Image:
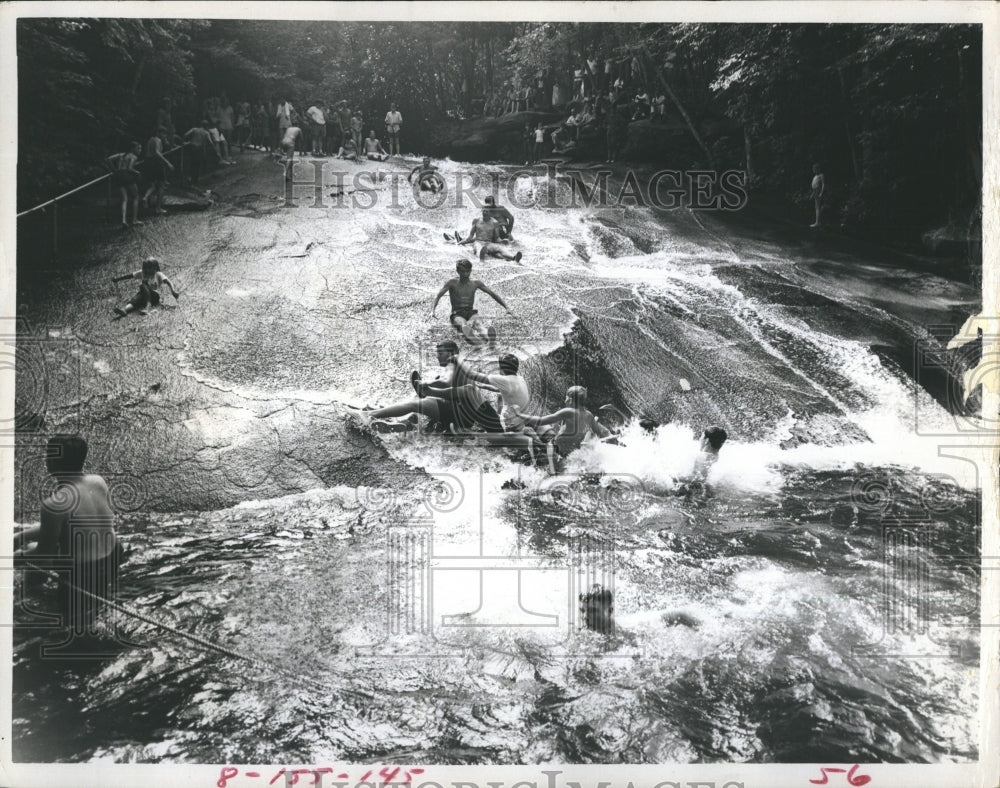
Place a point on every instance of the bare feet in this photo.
(392, 425)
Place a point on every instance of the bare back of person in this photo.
(89, 512)
(576, 425)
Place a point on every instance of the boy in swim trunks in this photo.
(374, 149)
(347, 149)
(428, 177)
(462, 293)
(393, 121)
(818, 187)
(157, 167)
(288, 142)
(125, 175)
(576, 423)
(514, 398)
(485, 238)
(152, 279)
(453, 399)
(501, 216)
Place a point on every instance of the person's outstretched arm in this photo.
(542, 421)
(599, 429)
(510, 220)
(479, 377)
(492, 295)
(441, 292)
(472, 234)
(161, 157)
(168, 283)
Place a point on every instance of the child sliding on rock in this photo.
(151, 279)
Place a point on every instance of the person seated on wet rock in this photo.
(574, 422)
(373, 148)
(428, 177)
(486, 238)
(151, 280)
(347, 149)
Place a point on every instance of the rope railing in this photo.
(204, 643)
(104, 177)
(54, 202)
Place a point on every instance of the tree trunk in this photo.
(746, 150)
(138, 74)
(680, 108)
(846, 109)
(969, 128)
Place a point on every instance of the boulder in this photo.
(951, 240)
(486, 139)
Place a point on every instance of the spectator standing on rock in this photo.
(527, 140)
(225, 115)
(344, 114)
(157, 167)
(660, 108)
(317, 128)
(393, 121)
(334, 134)
(818, 187)
(357, 130)
(243, 125)
(283, 113)
(611, 131)
(165, 120)
(125, 176)
(258, 136)
(536, 151)
(201, 143)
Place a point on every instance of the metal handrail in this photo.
(104, 177)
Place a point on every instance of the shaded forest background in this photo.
(893, 113)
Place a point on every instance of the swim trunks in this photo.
(155, 170)
(487, 418)
(125, 178)
(146, 296)
(465, 313)
(98, 577)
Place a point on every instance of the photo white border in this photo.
(984, 774)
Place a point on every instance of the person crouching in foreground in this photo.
(76, 522)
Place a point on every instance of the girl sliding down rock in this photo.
(151, 279)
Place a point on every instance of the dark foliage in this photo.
(892, 113)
